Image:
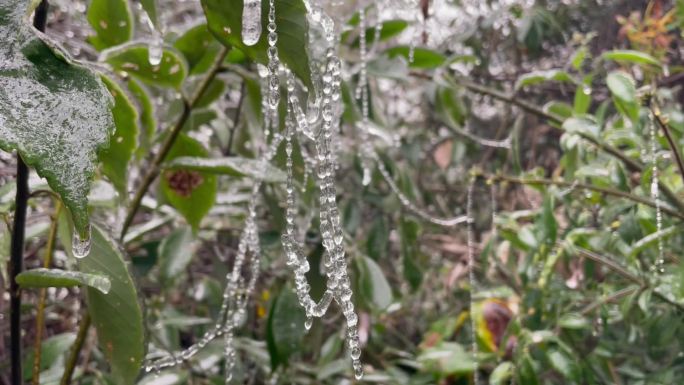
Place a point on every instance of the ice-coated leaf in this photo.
(134, 59)
(54, 113)
(224, 18)
(537, 77)
(123, 141)
(285, 328)
(42, 277)
(190, 192)
(623, 89)
(117, 316)
(112, 21)
(175, 253)
(150, 6)
(234, 166)
(502, 373)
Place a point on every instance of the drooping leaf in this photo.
(378, 239)
(148, 121)
(134, 59)
(175, 253)
(422, 57)
(117, 316)
(410, 251)
(501, 373)
(190, 192)
(112, 21)
(630, 56)
(581, 125)
(374, 286)
(42, 277)
(224, 19)
(285, 328)
(623, 89)
(54, 113)
(199, 47)
(563, 364)
(234, 166)
(123, 141)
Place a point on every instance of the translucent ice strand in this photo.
(655, 195)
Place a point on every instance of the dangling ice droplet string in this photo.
(362, 91)
(80, 244)
(470, 246)
(251, 22)
(655, 195)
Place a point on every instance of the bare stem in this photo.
(75, 350)
(662, 124)
(153, 170)
(40, 316)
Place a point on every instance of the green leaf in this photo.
(148, 121)
(134, 59)
(501, 373)
(582, 100)
(422, 57)
(224, 18)
(378, 239)
(52, 352)
(190, 192)
(447, 359)
(211, 94)
(548, 220)
(234, 166)
(285, 329)
(573, 321)
(410, 251)
(537, 77)
(117, 316)
(112, 21)
(562, 364)
(374, 286)
(42, 277)
(123, 141)
(390, 29)
(630, 56)
(54, 113)
(581, 125)
(199, 47)
(623, 89)
(175, 253)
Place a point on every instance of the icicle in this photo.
(80, 246)
(155, 50)
(655, 195)
(251, 22)
(471, 278)
(410, 206)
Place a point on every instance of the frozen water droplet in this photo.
(586, 89)
(80, 246)
(251, 22)
(308, 323)
(155, 50)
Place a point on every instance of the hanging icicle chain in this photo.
(655, 195)
(236, 293)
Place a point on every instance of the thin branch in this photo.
(16, 263)
(70, 364)
(236, 120)
(40, 316)
(662, 123)
(631, 164)
(153, 170)
(585, 186)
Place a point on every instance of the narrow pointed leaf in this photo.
(42, 277)
(233, 166)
